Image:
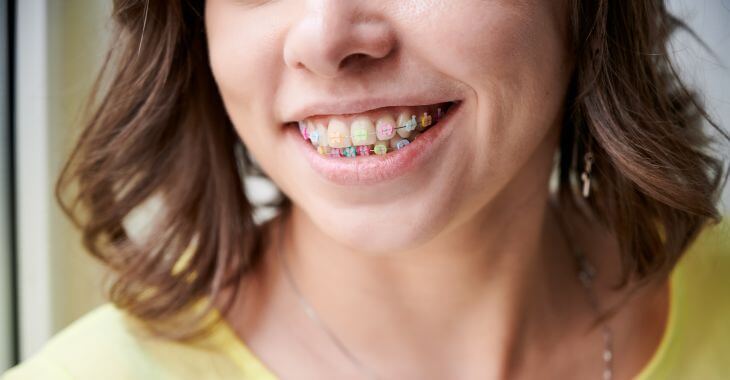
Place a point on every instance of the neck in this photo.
(494, 275)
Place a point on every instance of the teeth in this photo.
(350, 151)
(407, 123)
(338, 134)
(426, 120)
(363, 150)
(372, 133)
(321, 129)
(381, 148)
(312, 133)
(385, 128)
(303, 129)
(362, 132)
(398, 143)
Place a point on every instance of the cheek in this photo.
(243, 60)
(514, 58)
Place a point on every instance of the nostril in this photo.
(354, 60)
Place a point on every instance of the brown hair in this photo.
(157, 127)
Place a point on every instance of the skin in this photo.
(477, 284)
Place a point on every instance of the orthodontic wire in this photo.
(401, 127)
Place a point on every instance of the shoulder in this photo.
(697, 338)
(107, 343)
(102, 342)
(702, 277)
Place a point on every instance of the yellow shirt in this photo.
(107, 344)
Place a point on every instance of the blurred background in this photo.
(51, 51)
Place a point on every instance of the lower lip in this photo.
(374, 169)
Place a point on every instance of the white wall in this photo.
(32, 186)
(6, 341)
(60, 45)
(710, 19)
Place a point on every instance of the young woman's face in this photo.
(352, 72)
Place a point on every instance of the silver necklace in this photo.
(586, 276)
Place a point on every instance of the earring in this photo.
(586, 175)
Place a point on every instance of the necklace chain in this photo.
(586, 276)
(312, 314)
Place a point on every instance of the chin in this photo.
(380, 230)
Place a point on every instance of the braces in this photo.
(379, 148)
(361, 150)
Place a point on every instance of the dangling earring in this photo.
(586, 175)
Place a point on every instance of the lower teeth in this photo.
(380, 149)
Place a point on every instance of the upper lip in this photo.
(361, 105)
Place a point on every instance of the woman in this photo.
(419, 234)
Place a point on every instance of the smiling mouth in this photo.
(377, 132)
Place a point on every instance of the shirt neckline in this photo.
(236, 348)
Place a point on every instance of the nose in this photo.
(333, 36)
